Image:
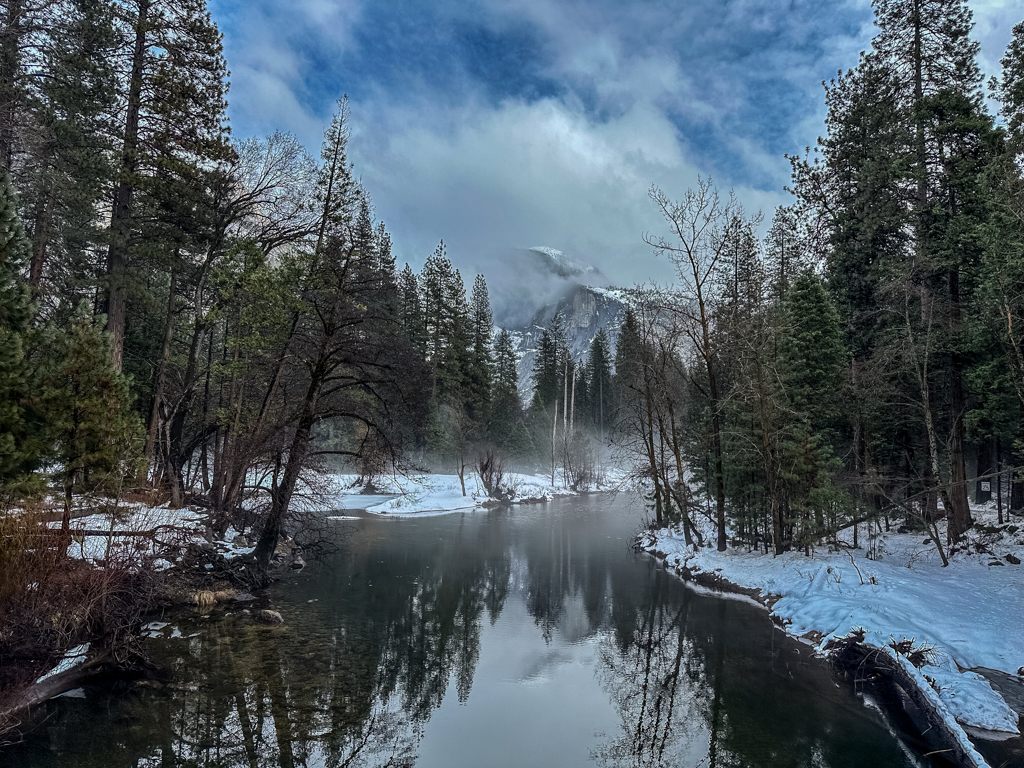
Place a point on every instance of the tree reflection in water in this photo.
(378, 638)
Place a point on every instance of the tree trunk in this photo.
(40, 234)
(716, 438)
(281, 495)
(153, 425)
(10, 64)
(121, 209)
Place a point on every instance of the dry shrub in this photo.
(579, 463)
(50, 602)
(491, 469)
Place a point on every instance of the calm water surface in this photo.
(524, 637)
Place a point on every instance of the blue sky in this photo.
(502, 124)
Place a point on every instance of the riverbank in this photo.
(507, 637)
(187, 564)
(422, 493)
(965, 617)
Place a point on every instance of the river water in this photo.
(525, 637)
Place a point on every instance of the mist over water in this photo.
(528, 280)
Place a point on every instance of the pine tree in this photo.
(506, 427)
(433, 282)
(628, 359)
(927, 46)
(95, 434)
(453, 370)
(65, 168)
(18, 448)
(548, 367)
(411, 310)
(480, 372)
(812, 356)
(1010, 90)
(601, 394)
(173, 137)
(812, 362)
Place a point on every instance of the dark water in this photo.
(529, 637)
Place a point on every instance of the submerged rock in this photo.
(267, 616)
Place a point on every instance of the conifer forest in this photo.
(308, 458)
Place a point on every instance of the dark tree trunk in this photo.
(121, 209)
(10, 64)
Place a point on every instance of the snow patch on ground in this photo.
(425, 494)
(969, 614)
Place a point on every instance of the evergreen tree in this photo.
(95, 434)
(506, 427)
(812, 356)
(628, 359)
(411, 310)
(65, 168)
(549, 367)
(600, 389)
(1010, 90)
(172, 141)
(18, 448)
(480, 372)
(811, 366)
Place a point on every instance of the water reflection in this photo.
(521, 637)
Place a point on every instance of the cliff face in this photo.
(585, 310)
(531, 286)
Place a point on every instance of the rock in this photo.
(240, 540)
(243, 597)
(267, 616)
(996, 562)
(284, 547)
(1012, 559)
(298, 563)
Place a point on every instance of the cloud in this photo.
(500, 125)
(492, 179)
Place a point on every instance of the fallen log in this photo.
(888, 669)
(18, 705)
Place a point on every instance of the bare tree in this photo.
(700, 225)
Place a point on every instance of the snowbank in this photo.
(147, 534)
(424, 494)
(169, 527)
(969, 614)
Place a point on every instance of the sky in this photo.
(499, 125)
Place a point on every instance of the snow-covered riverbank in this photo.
(423, 494)
(970, 615)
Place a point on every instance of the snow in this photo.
(431, 494)
(72, 659)
(968, 614)
(173, 529)
(937, 703)
(171, 526)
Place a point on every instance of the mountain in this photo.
(550, 283)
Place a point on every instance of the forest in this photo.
(860, 363)
(193, 321)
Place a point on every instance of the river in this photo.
(531, 636)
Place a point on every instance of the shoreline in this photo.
(899, 688)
